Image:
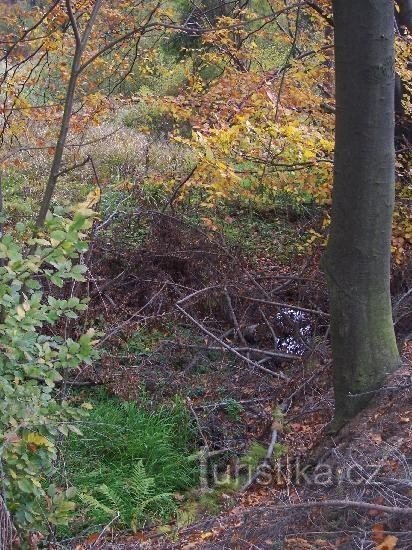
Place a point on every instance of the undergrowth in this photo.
(130, 463)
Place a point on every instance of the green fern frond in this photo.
(110, 497)
(141, 485)
(95, 505)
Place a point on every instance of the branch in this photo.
(266, 460)
(178, 188)
(320, 12)
(337, 504)
(199, 427)
(31, 29)
(233, 317)
(269, 353)
(229, 348)
(111, 45)
(160, 25)
(282, 304)
(74, 24)
(90, 23)
(74, 167)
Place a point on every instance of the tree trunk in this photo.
(405, 13)
(61, 141)
(357, 259)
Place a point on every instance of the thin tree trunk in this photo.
(357, 259)
(61, 141)
(76, 68)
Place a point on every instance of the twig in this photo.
(199, 427)
(229, 348)
(271, 330)
(266, 460)
(221, 404)
(233, 317)
(105, 528)
(401, 299)
(289, 306)
(74, 167)
(286, 404)
(382, 389)
(178, 188)
(131, 318)
(335, 503)
(196, 293)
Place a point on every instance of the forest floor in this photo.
(155, 352)
(367, 463)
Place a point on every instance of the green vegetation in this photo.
(198, 144)
(129, 463)
(33, 361)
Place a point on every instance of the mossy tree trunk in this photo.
(357, 259)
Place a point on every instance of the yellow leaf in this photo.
(388, 543)
(39, 440)
(92, 199)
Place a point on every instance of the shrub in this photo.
(32, 359)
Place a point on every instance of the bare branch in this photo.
(229, 348)
(74, 24)
(335, 504)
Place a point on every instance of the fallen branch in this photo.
(199, 427)
(134, 316)
(221, 404)
(337, 504)
(284, 305)
(229, 348)
(233, 317)
(266, 461)
(267, 352)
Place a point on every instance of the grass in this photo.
(130, 462)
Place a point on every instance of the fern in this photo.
(135, 503)
(148, 503)
(159, 506)
(111, 497)
(140, 484)
(95, 505)
(130, 462)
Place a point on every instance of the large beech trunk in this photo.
(357, 259)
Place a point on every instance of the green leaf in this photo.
(25, 485)
(58, 235)
(56, 280)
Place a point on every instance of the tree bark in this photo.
(405, 13)
(357, 259)
(61, 141)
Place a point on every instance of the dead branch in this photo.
(136, 314)
(270, 327)
(335, 504)
(229, 348)
(65, 171)
(284, 305)
(268, 353)
(266, 461)
(221, 404)
(233, 317)
(199, 427)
